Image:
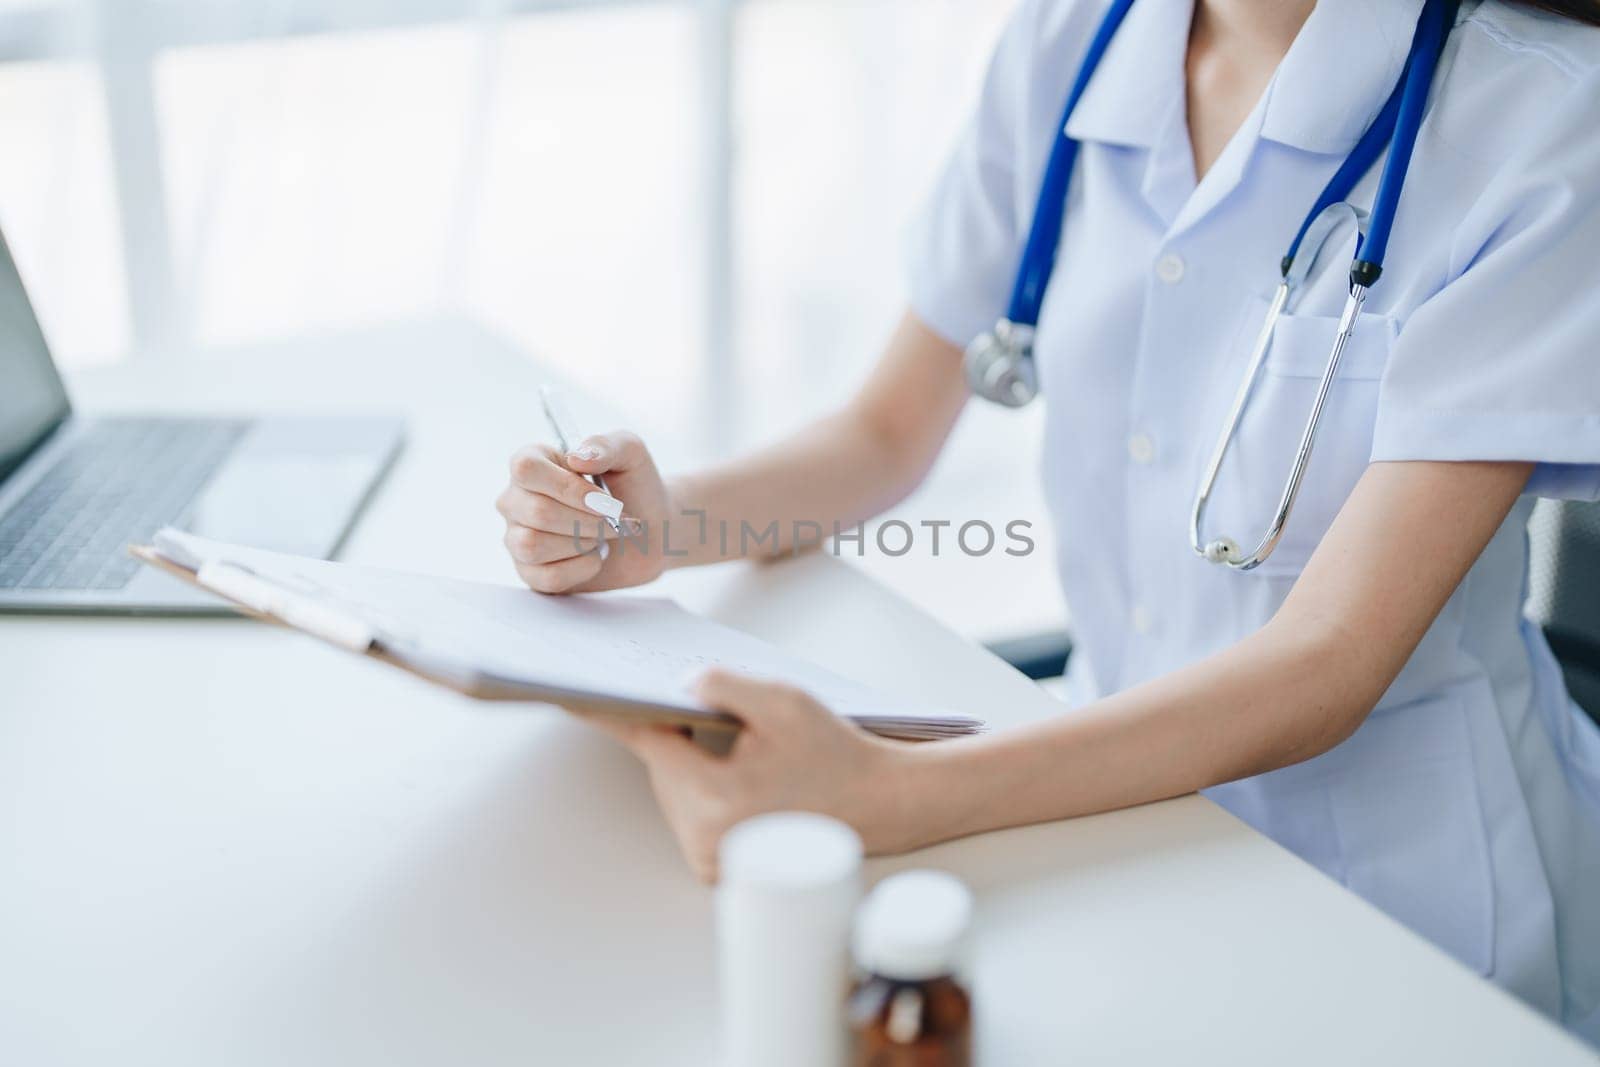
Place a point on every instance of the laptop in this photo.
(75, 491)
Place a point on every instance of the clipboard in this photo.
(480, 683)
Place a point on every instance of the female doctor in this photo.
(1366, 690)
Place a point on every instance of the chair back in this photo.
(1564, 591)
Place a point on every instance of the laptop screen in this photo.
(32, 399)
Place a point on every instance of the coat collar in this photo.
(1140, 81)
(1326, 92)
(1339, 71)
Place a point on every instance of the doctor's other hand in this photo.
(792, 754)
(558, 541)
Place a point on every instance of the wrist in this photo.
(903, 807)
(677, 515)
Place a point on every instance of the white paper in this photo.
(631, 647)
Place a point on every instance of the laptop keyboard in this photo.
(118, 482)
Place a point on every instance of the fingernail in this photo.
(605, 551)
(584, 453)
(603, 504)
(633, 526)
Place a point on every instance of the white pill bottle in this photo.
(789, 885)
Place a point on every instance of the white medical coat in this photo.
(1468, 804)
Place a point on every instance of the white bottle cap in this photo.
(913, 926)
(789, 850)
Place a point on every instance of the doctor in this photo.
(1365, 691)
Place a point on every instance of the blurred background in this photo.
(692, 207)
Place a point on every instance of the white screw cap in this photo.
(913, 926)
(789, 849)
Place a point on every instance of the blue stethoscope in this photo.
(999, 364)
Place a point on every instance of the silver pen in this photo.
(555, 412)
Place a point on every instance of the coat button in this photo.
(1141, 449)
(1169, 268)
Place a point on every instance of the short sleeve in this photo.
(1503, 363)
(963, 246)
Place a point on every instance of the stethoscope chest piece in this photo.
(999, 365)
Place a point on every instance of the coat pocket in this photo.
(1257, 465)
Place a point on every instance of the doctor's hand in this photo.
(793, 754)
(558, 541)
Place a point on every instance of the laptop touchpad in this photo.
(298, 503)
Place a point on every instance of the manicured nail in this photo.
(584, 453)
(602, 504)
(605, 551)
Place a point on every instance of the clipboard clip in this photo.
(303, 610)
(299, 610)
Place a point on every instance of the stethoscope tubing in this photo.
(1044, 233)
(1416, 84)
(1000, 364)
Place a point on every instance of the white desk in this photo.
(224, 844)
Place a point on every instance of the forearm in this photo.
(837, 472)
(1280, 696)
(1290, 691)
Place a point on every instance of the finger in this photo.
(541, 469)
(631, 732)
(561, 576)
(664, 749)
(535, 546)
(626, 565)
(540, 511)
(753, 700)
(618, 451)
(526, 545)
(702, 866)
(617, 729)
